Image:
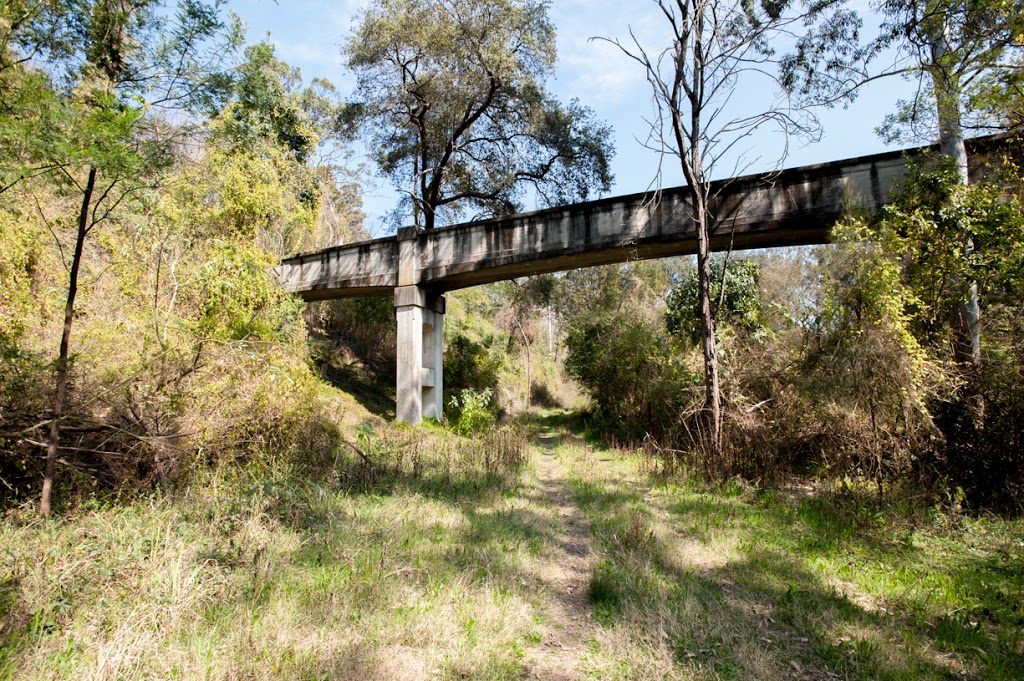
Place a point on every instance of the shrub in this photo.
(624, 360)
(472, 411)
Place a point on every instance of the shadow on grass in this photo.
(321, 571)
(386, 556)
(770, 614)
(375, 391)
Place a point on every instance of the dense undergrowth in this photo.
(840, 362)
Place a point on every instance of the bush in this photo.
(625, 362)
(472, 411)
(741, 306)
(472, 365)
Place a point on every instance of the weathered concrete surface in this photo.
(788, 208)
(420, 374)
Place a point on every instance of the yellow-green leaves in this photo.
(237, 298)
(21, 248)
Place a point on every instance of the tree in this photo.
(734, 290)
(964, 57)
(272, 130)
(619, 351)
(962, 48)
(454, 100)
(106, 67)
(267, 100)
(716, 48)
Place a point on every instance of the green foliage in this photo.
(999, 98)
(867, 376)
(594, 291)
(740, 307)
(472, 411)
(185, 352)
(21, 250)
(111, 63)
(256, 178)
(864, 288)
(625, 362)
(478, 355)
(265, 197)
(267, 102)
(968, 50)
(617, 348)
(472, 364)
(237, 299)
(932, 217)
(453, 94)
(881, 368)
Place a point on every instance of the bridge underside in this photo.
(792, 207)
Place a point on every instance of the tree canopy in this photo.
(453, 98)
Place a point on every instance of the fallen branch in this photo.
(361, 453)
(760, 404)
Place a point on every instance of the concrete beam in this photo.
(788, 208)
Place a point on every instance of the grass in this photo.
(401, 576)
(431, 564)
(693, 582)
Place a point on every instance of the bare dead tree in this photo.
(705, 84)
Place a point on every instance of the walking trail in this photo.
(570, 624)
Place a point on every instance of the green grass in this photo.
(430, 566)
(399, 576)
(730, 583)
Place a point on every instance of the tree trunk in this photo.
(966, 318)
(65, 340)
(712, 393)
(529, 361)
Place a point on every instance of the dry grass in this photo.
(409, 576)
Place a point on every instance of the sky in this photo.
(308, 35)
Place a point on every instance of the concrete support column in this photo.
(420, 379)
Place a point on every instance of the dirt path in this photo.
(569, 624)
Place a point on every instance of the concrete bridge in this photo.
(791, 207)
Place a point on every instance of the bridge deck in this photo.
(791, 207)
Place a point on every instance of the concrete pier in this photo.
(420, 377)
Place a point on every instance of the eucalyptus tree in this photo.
(109, 72)
(453, 95)
(293, 131)
(957, 52)
(965, 59)
(717, 52)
